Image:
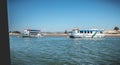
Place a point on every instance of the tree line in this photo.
(15, 32)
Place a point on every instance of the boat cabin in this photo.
(86, 33)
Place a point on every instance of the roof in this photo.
(31, 30)
(75, 28)
(92, 30)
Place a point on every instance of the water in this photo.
(65, 51)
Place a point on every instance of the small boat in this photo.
(32, 33)
(87, 33)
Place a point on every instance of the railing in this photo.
(94, 34)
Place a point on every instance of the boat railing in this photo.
(94, 34)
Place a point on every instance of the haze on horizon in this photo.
(61, 15)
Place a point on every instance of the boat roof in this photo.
(91, 30)
(31, 30)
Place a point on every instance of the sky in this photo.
(61, 15)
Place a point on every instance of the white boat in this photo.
(32, 33)
(91, 33)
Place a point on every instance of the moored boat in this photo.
(86, 33)
(32, 33)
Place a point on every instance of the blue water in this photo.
(65, 51)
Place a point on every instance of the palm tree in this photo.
(116, 28)
(65, 31)
(17, 32)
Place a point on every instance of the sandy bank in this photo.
(55, 34)
(114, 35)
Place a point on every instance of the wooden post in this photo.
(4, 34)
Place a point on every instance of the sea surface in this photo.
(61, 50)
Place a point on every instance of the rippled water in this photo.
(65, 51)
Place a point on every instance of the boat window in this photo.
(81, 31)
(90, 31)
(101, 32)
(85, 31)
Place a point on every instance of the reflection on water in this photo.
(65, 51)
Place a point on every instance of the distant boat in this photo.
(32, 33)
(88, 33)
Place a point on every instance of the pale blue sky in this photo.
(61, 15)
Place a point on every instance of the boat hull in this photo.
(74, 37)
(26, 36)
(86, 36)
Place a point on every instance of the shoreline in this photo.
(54, 34)
(106, 35)
(62, 34)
